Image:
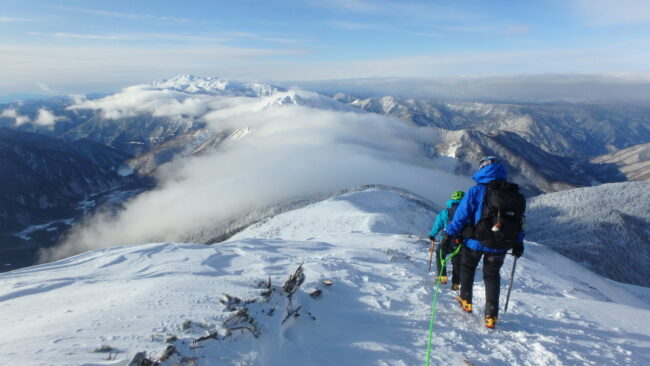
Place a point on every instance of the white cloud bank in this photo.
(181, 96)
(13, 113)
(44, 117)
(291, 151)
(141, 99)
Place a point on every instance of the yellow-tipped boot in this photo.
(490, 321)
(464, 304)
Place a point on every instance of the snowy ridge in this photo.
(376, 313)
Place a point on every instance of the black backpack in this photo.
(450, 242)
(502, 218)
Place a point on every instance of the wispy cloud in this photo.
(606, 12)
(45, 88)
(516, 30)
(264, 38)
(99, 68)
(456, 64)
(356, 5)
(433, 31)
(428, 34)
(134, 37)
(227, 36)
(357, 26)
(15, 19)
(370, 27)
(115, 14)
(462, 28)
(507, 30)
(107, 66)
(104, 37)
(424, 12)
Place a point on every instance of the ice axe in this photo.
(431, 250)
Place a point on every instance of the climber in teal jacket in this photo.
(442, 219)
(438, 235)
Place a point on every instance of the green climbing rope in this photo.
(443, 263)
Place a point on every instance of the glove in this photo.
(518, 249)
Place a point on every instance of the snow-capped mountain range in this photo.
(365, 300)
(193, 84)
(145, 116)
(547, 147)
(563, 129)
(551, 146)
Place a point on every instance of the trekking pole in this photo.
(512, 276)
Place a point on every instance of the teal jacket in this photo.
(441, 221)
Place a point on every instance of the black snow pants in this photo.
(492, 263)
(455, 262)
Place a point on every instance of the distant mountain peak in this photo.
(212, 85)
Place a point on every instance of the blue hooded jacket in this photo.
(470, 207)
(441, 221)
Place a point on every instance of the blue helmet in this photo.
(487, 161)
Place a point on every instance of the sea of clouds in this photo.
(300, 144)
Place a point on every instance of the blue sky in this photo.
(85, 46)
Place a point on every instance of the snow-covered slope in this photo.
(370, 211)
(606, 228)
(147, 297)
(634, 161)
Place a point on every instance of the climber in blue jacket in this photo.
(468, 213)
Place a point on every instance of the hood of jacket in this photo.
(491, 172)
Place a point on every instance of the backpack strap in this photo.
(451, 211)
